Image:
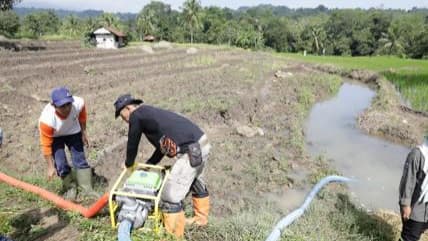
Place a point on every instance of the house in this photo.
(109, 38)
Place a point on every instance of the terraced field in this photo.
(222, 89)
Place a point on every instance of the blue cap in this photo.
(61, 96)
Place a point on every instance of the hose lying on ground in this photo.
(57, 200)
(124, 230)
(290, 218)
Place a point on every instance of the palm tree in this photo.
(146, 23)
(191, 12)
(390, 42)
(108, 20)
(71, 25)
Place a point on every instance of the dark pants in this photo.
(2, 238)
(412, 230)
(75, 145)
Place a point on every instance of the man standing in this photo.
(63, 123)
(413, 197)
(176, 137)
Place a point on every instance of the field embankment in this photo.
(251, 104)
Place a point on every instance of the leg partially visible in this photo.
(69, 189)
(412, 230)
(201, 203)
(173, 218)
(175, 190)
(83, 171)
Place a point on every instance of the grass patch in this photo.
(253, 225)
(201, 61)
(216, 104)
(408, 75)
(332, 216)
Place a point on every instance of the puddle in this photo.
(331, 131)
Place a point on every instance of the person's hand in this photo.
(131, 168)
(51, 173)
(85, 139)
(405, 212)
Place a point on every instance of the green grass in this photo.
(409, 76)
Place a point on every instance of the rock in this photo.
(163, 45)
(191, 51)
(247, 131)
(281, 74)
(260, 131)
(147, 49)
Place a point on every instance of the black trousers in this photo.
(413, 230)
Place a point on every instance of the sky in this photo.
(135, 6)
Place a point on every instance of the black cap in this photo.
(123, 101)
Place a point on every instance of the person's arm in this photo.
(46, 140)
(134, 136)
(155, 158)
(82, 121)
(408, 182)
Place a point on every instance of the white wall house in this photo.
(109, 38)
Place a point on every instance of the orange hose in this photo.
(57, 200)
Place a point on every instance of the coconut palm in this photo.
(191, 13)
(390, 42)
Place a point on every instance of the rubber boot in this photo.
(174, 223)
(201, 208)
(84, 180)
(69, 188)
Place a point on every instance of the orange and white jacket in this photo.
(51, 124)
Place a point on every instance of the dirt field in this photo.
(223, 90)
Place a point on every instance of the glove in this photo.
(132, 168)
(168, 146)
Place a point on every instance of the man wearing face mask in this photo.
(413, 197)
(63, 123)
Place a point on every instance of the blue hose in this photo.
(290, 218)
(124, 230)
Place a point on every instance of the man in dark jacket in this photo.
(413, 198)
(176, 137)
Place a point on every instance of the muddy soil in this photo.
(220, 89)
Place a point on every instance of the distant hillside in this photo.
(61, 13)
(284, 10)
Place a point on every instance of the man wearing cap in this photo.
(413, 198)
(176, 137)
(63, 123)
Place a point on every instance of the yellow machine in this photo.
(135, 197)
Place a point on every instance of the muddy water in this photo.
(331, 131)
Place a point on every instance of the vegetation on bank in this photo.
(320, 31)
(410, 76)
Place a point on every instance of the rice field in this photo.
(408, 75)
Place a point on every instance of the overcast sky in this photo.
(136, 5)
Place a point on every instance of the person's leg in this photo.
(83, 171)
(201, 203)
(75, 144)
(175, 190)
(61, 165)
(200, 195)
(412, 230)
(63, 169)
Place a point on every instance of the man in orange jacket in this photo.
(63, 123)
(176, 137)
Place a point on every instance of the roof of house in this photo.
(107, 30)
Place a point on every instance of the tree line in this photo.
(320, 31)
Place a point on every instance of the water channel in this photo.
(331, 131)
